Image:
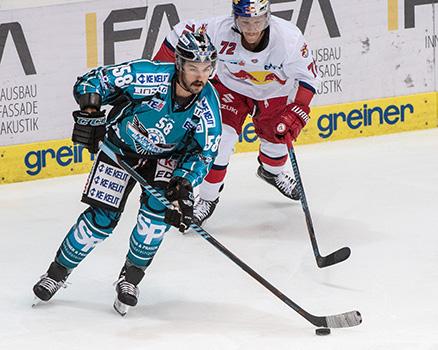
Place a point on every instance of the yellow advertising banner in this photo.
(327, 123)
(42, 160)
(359, 119)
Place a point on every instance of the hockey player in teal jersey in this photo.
(165, 122)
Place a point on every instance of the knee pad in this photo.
(102, 219)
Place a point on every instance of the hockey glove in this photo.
(89, 129)
(291, 121)
(180, 193)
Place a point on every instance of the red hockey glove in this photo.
(290, 122)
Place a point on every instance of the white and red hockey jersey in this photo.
(272, 72)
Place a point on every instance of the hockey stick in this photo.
(347, 319)
(322, 261)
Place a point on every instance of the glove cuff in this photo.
(301, 113)
(90, 119)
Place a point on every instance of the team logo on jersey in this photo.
(149, 141)
(203, 28)
(258, 78)
(305, 51)
(152, 78)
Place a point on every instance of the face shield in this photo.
(252, 24)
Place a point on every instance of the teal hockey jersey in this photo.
(148, 122)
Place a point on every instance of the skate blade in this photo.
(122, 309)
(36, 301)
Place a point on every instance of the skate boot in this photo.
(126, 288)
(203, 210)
(50, 282)
(282, 182)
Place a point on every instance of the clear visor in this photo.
(252, 24)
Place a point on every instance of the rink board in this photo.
(330, 123)
(359, 119)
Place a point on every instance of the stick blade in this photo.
(345, 320)
(334, 258)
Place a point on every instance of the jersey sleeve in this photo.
(194, 167)
(166, 53)
(112, 81)
(301, 66)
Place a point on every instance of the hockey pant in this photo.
(96, 224)
(272, 157)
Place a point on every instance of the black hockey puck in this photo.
(322, 331)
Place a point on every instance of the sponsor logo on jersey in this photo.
(189, 124)
(258, 78)
(163, 89)
(227, 98)
(108, 184)
(203, 110)
(144, 91)
(152, 78)
(200, 128)
(148, 91)
(229, 108)
(164, 169)
(273, 66)
(156, 103)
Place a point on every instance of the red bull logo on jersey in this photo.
(259, 78)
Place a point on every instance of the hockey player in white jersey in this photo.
(265, 69)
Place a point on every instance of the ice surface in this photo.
(375, 195)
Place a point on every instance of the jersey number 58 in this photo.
(212, 143)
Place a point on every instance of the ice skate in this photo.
(282, 182)
(203, 210)
(50, 283)
(126, 289)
